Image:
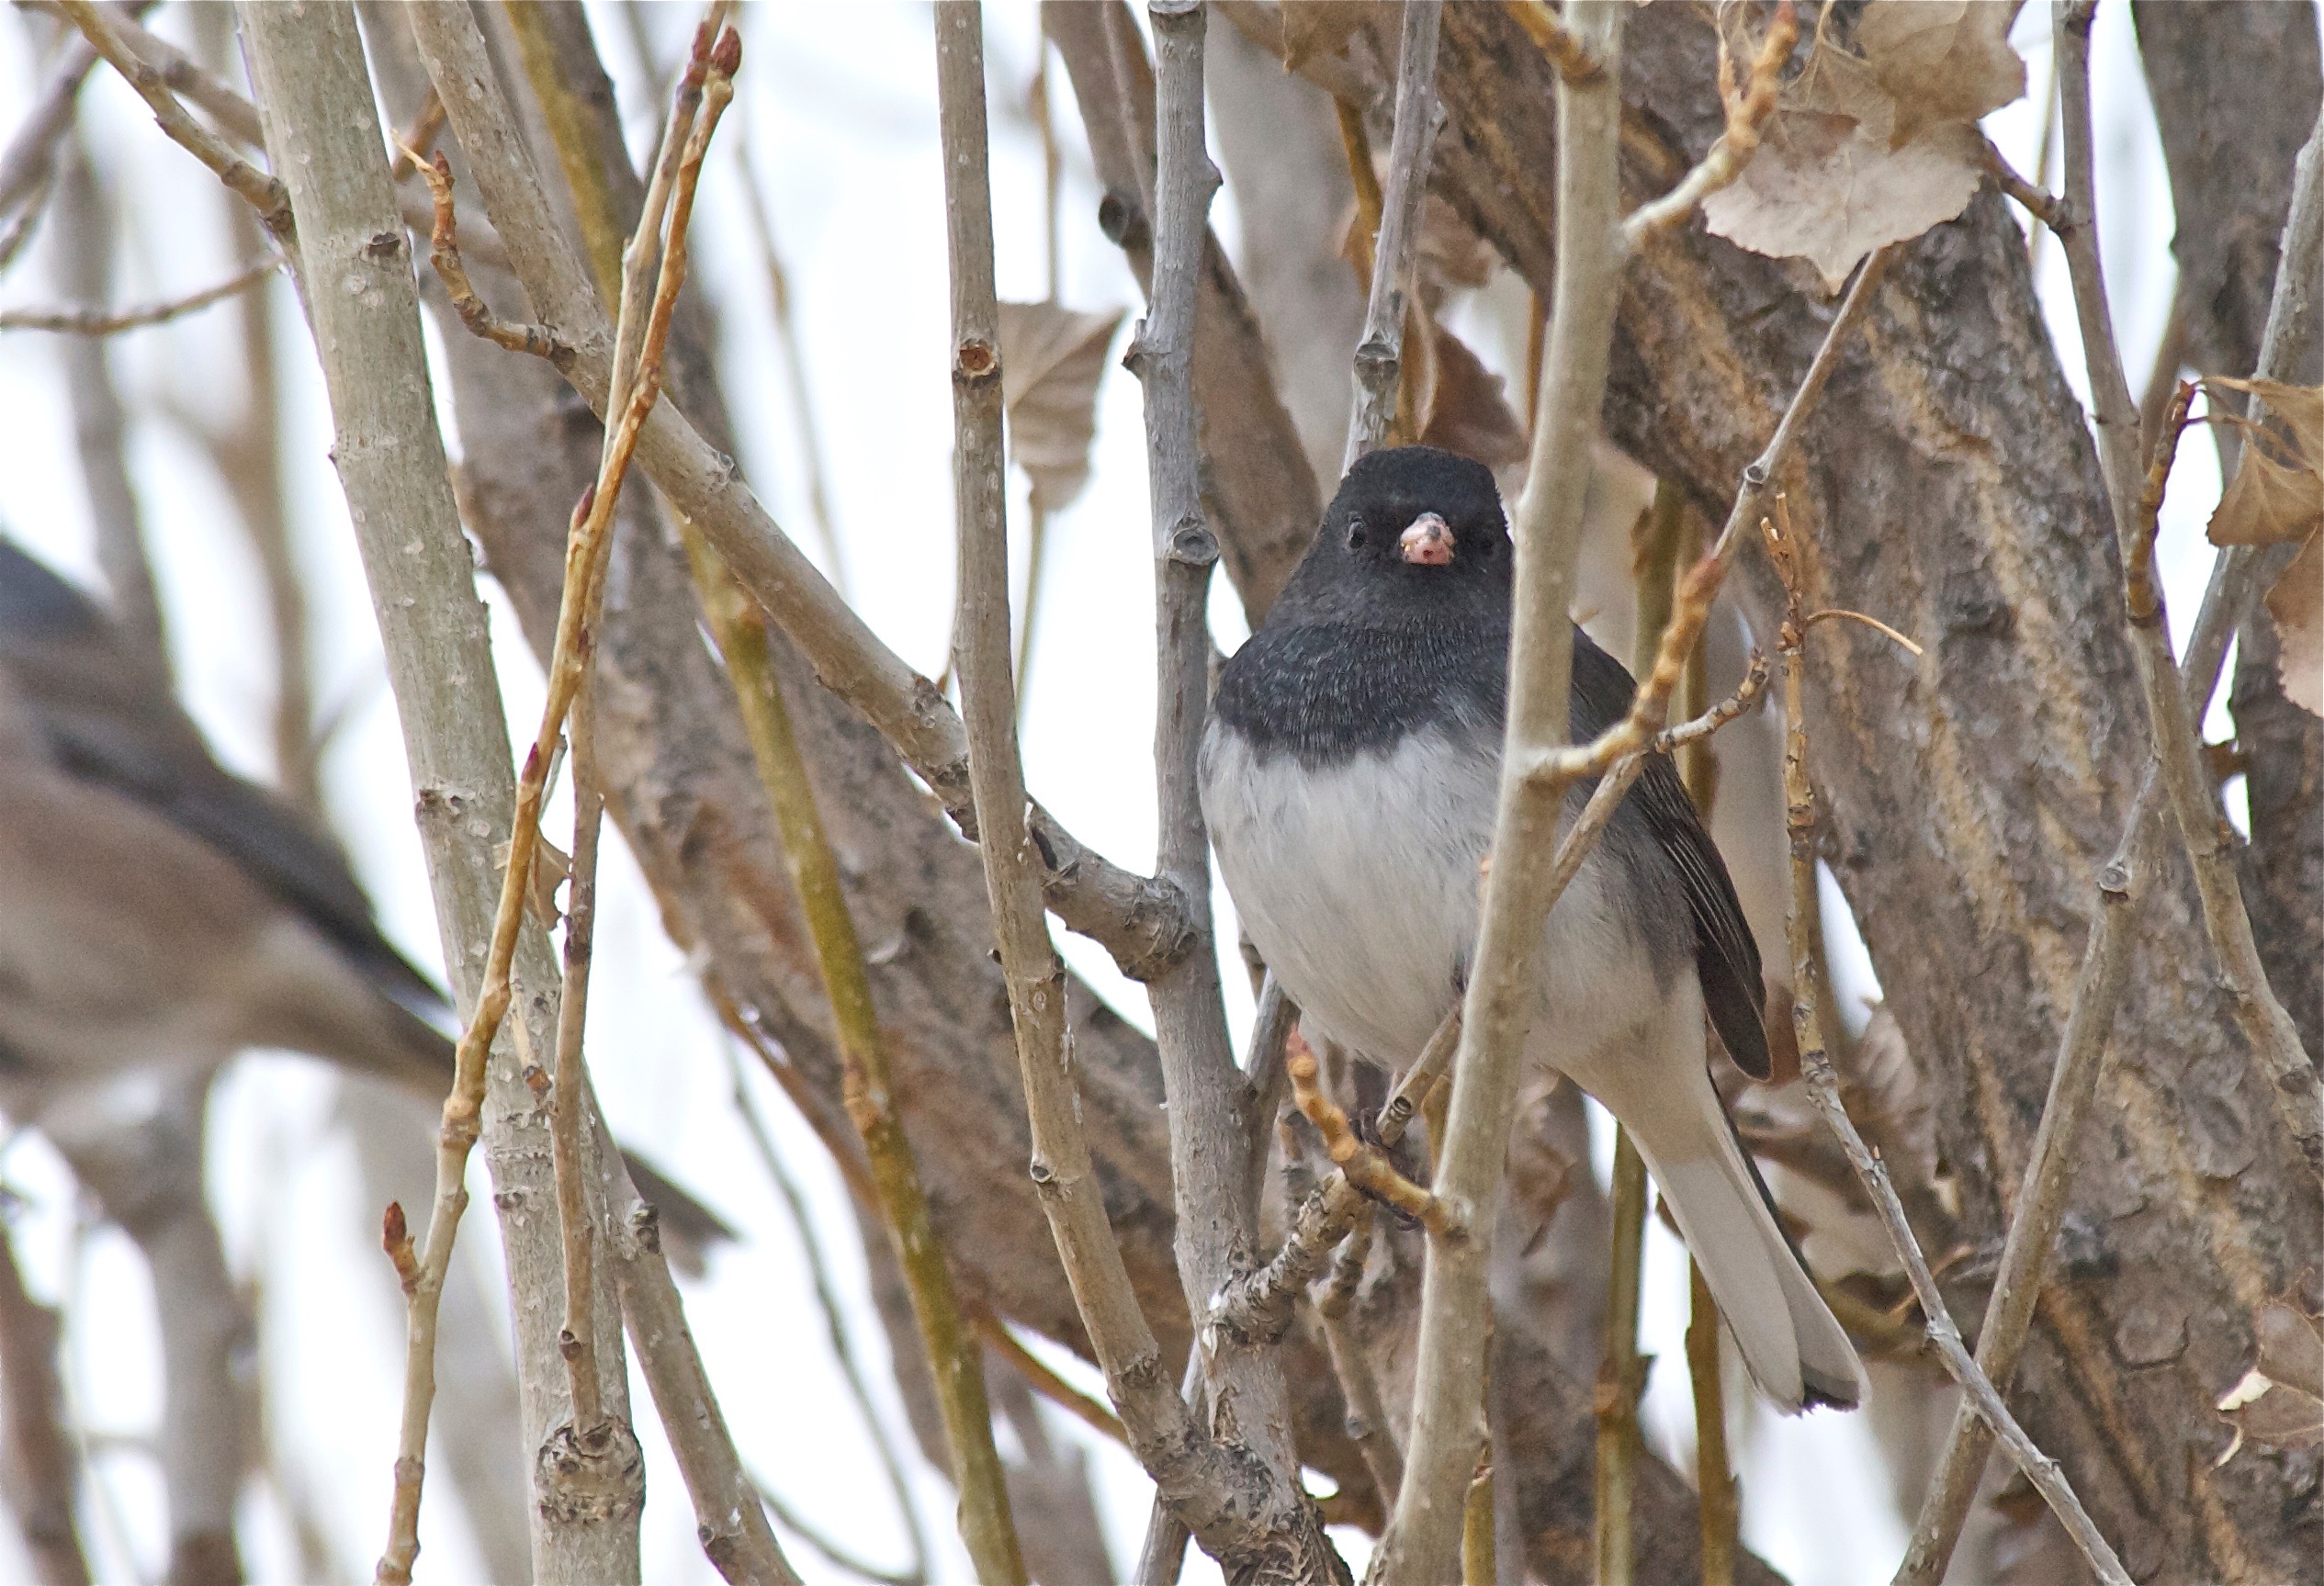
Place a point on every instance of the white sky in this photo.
(839, 102)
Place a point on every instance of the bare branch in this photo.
(1189, 1469)
(2291, 1080)
(1365, 1166)
(1824, 1090)
(2236, 576)
(42, 1467)
(1210, 1139)
(1378, 355)
(260, 191)
(91, 320)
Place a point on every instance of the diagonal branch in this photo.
(1747, 107)
(1142, 922)
(2236, 576)
(2291, 1080)
(1823, 1089)
(262, 192)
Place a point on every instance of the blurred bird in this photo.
(158, 911)
(1349, 773)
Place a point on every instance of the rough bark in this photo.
(1950, 488)
(2235, 88)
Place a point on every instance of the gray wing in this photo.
(1726, 958)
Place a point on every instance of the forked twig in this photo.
(1363, 1164)
(1824, 1086)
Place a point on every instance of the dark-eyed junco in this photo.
(1349, 773)
(156, 910)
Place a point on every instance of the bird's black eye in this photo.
(1355, 534)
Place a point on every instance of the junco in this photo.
(157, 910)
(1349, 772)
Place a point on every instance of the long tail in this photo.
(1790, 1339)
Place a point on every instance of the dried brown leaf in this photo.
(1051, 359)
(552, 868)
(2297, 602)
(2268, 502)
(1830, 183)
(2280, 1401)
(2300, 409)
(1468, 409)
(2291, 1347)
(1941, 61)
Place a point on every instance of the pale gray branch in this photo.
(1379, 353)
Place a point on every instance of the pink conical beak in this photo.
(1427, 543)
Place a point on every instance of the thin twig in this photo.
(262, 192)
(1575, 60)
(833, 1554)
(2236, 576)
(1478, 1565)
(93, 321)
(568, 663)
(1187, 1468)
(827, 1299)
(2290, 1079)
(1036, 1372)
(1621, 1376)
(1621, 1373)
(2047, 210)
(1824, 1088)
(443, 256)
(1364, 1165)
(1379, 353)
(1721, 1510)
(1748, 107)
(1258, 1307)
(1367, 1420)
(576, 1339)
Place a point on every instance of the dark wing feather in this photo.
(1726, 958)
(109, 726)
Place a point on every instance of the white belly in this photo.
(1360, 887)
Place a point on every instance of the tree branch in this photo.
(1747, 112)
(1215, 1495)
(2291, 1079)
(1378, 355)
(309, 65)
(1823, 1089)
(94, 320)
(260, 191)
(42, 1467)
(1425, 1528)
(2236, 576)
(1142, 922)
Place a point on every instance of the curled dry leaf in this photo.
(552, 868)
(1833, 179)
(2297, 602)
(1051, 361)
(1941, 61)
(2280, 1401)
(2277, 494)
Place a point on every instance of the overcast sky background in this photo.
(838, 101)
